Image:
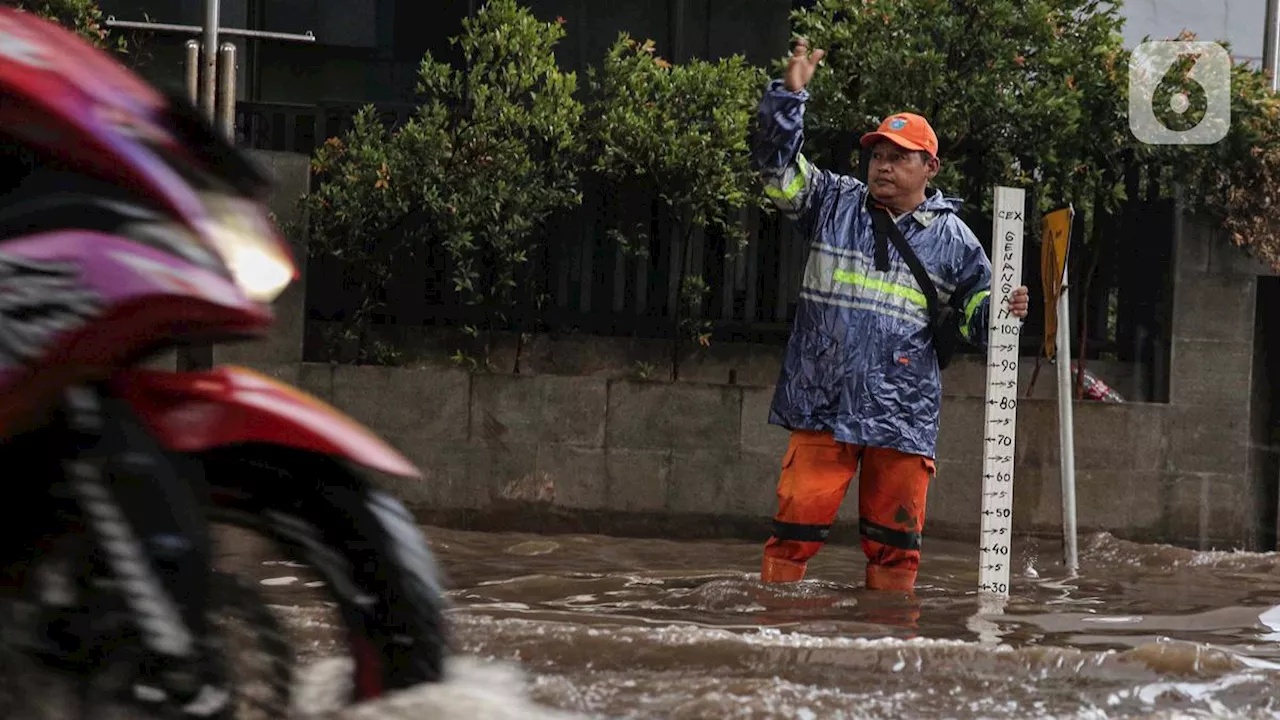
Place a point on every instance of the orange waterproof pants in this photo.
(816, 472)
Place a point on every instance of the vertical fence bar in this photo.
(226, 100)
(694, 257)
(674, 266)
(193, 71)
(642, 266)
(587, 255)
(619, 279)
(750, 311)
(783, 274)
(728, 278)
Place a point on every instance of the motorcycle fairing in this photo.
(199, 411)
(75, 304)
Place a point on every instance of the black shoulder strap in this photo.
(885, 227)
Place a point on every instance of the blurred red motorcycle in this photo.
(130, 227)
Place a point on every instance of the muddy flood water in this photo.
(573, 626)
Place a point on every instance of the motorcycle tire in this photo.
(259, 677)
(370, 557)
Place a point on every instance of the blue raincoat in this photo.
(860, 361)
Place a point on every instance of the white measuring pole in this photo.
(1002, 394)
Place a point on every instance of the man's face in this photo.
(897, 174)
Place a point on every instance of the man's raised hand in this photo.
(801, 65)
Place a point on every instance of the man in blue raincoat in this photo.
(860, 386)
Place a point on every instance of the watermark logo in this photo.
(1179, 92)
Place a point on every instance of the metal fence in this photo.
(300, 128)
(593, 286)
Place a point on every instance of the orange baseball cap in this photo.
(906, 130)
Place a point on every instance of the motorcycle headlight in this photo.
(258, 264)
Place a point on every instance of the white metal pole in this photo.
(1066, 431)
(209, 60)
(1271, 41)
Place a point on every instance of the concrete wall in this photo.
(548, 452)
(1211, 383)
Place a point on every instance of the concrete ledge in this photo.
(700, 526)
(721, 364)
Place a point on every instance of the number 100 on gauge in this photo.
(1002, 394)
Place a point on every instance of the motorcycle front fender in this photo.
(194, 412)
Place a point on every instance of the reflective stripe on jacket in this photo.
(860, 361)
